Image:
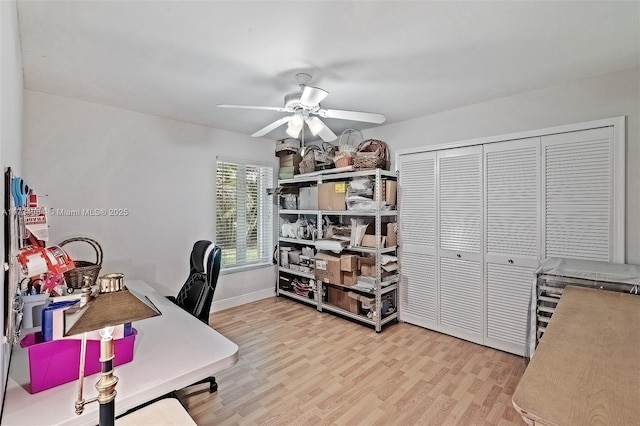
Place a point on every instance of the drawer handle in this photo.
(459, 256)
(510, 261)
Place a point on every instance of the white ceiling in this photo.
(402, 59)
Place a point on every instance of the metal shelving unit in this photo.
(555, 274)
(382, 288)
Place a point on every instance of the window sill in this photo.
(245, 268)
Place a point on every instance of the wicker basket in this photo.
(74, 277)
(324, 156)
(372, 154)
(343, 159)
(345, 144)
(308, 163)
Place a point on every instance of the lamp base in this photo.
(108, 413)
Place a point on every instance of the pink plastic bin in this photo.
(57, 362)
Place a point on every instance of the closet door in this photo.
(512, 235)
(578, 195)
(417, 239)
(460, 242)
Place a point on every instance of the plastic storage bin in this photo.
(57, 362)
(33, 306)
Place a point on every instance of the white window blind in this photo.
(244, 213)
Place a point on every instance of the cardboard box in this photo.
(390, 190)
(349, 278)
(361, 298)
(392, 234)
(331, 196)
(340, 298)
(308, 198)
(370, 241)
(370, 271)
(349, 262)
(365, 260)
(286, 172)
(327, 268)
(390, 267)
(290, 160)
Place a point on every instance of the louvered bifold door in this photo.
(417, 239)
(460, 202)
(578, 191)
(512, 235)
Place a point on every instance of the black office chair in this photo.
(196, 294)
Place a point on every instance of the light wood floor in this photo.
(301, 367)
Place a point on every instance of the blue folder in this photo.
(47, 317)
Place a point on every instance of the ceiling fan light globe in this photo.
(293, 131)
(296, 121)
(315, 125)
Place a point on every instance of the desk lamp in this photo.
(114, 305)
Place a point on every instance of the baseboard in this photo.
(232, 302)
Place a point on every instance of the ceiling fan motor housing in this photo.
(292, 101)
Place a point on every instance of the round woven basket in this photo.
(75, 277)
(345, 143)
(372, 154)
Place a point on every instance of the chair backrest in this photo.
(196, 294)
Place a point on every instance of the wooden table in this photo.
(171, 351)
(586, 368)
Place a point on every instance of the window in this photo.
(244, 213)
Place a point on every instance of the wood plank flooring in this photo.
(301, 367)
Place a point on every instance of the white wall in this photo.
(605, 96)
(11, 85)
(90, 156)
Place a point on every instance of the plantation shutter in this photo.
(578, 194)
(244, 213)
(461, 296)
(508, 292)
(417, 205)
(460, 207)
(512, 186)
(460, 200)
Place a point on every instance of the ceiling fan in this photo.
(305, 108)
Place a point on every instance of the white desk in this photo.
(167, 411)
(172, 351)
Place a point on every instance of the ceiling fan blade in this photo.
(268, 108)
(327, 135)
(368, 117)
(312, 96)
(317, 127)
(271, 127)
